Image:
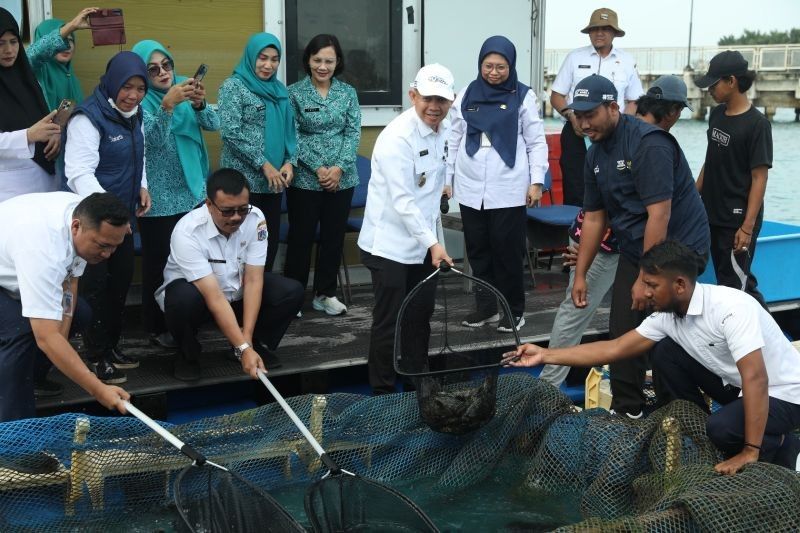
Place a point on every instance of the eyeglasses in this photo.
(228, 212)
(501, 68)
(154, 70)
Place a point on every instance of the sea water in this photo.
(780, 202)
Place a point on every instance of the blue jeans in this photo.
(571, 321)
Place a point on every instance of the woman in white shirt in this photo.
(496, 166)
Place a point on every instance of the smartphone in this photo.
(63, 112)
(201, 73)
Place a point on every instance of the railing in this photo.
(657, 61)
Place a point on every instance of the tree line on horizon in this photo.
(749, 37)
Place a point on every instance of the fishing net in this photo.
(580, 471)
(454, 367)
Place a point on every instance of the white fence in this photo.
(658, 61)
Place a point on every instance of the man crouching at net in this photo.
(215, 270)
(45, 243)
(710, 338)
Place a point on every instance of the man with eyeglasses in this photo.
(606, 60)
(215, 270)
(733, 179)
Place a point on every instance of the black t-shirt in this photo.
(640, 165)
(736, 145)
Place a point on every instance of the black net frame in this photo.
(412, 354)
(349, 502)
(213, 499)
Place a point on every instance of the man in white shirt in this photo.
(710, 338)
(215, 270)
(601, 58)
(401, 239)
(46, 241)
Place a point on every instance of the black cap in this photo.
(722, 65)
(591, 92)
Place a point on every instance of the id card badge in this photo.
(485, 142)
(66, 302)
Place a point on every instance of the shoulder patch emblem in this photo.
(261, 230)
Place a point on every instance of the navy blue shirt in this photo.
(640, 165)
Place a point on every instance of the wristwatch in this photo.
(238, 351)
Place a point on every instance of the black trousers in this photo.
(627, 376)
(104, 286)
(495, 243)
(735, 271)
(309, 210)
(156, 233)
(572, 160)
(185, 311)
(21, 361)
(391, 283)
(270, 205)
(681, 377)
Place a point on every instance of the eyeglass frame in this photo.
(167, 65)
(228, 212)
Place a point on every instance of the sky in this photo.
(659, 24)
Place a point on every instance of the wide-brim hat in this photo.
(604, 17)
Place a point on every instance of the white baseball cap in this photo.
(434, 80)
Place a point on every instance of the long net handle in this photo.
(184, 448)
(289, 411)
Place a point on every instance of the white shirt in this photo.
(618, 66)
(82, 156)
(19, 173)
(484, 178)
(402, 219)
(198, 249)
(37, 254)
(721, 326)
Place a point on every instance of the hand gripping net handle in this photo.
(332, 466)
(184, 448)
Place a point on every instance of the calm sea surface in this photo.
(781, 203)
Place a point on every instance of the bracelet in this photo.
(752, 446)
(743, 231)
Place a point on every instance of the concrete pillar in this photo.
(769, 111)
(699, 112)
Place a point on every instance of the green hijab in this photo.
(184, 126)
(58, 80)
(280, 141)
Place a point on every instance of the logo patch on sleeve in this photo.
(261, 230)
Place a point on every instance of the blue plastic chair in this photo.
(548, 227)
(359, 201)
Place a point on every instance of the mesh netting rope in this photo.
(654, 474)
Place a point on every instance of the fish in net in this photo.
(454, 367)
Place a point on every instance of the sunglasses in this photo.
(228, 212)
(154, 70)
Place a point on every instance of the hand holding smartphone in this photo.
(63, 113)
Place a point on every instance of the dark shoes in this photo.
(108, 373)
(46, 388)
(120, 360)
(165, 340)
(186, 370)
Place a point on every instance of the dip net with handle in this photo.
(453, 366)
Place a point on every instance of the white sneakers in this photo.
(330, 304)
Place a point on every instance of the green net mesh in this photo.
(73, 472)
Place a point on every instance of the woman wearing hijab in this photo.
(29, 140)
(328, 133)
(175, 113)
(496, 166)
(258, 133)
(105, 152)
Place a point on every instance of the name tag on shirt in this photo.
(423, 153)
(217, 261)
(584, 66)
(311, 110)
(472, 108)
(261, 108)
(485, 142)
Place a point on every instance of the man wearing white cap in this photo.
(401, 240)
(603, 58)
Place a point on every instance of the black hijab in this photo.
(21, 96)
